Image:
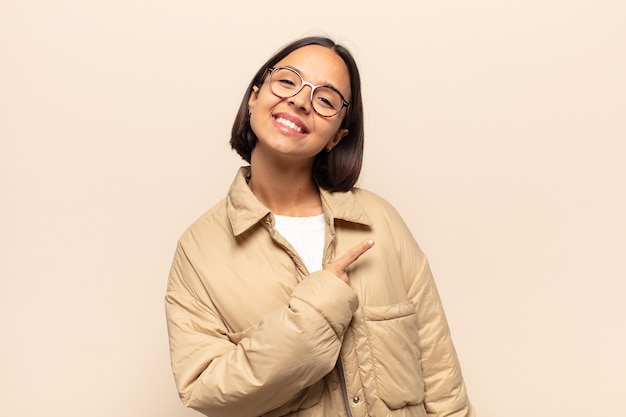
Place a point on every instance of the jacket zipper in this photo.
(344, 388)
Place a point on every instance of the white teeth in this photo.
(289, 124)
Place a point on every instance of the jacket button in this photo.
(356, 400)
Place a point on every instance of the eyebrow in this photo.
(321, 85)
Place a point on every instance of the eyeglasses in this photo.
(286, 82)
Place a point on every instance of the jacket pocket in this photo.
(394, 346)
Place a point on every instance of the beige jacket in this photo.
(253, 333)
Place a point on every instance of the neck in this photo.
(286, 190)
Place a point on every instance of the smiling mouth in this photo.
(289, 124)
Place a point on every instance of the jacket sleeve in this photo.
(446, 393)
(290, 349)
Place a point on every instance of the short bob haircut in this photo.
(337, 170)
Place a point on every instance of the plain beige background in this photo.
(496, 128)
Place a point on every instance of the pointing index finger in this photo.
(353, 254)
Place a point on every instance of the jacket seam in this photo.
(369, 359)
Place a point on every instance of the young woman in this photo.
(274, 307)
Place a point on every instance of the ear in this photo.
(253, 96)
(341, 133)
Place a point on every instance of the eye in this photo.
(286, 82)
(286, 79)
(326, 102)
(328, 98)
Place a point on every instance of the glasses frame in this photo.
(344, 103)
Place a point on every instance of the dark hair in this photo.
(337, 170)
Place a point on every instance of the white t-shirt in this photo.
(306, 235)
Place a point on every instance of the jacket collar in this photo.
(245, 210)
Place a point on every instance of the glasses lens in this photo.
(285, 82)
(327, 101)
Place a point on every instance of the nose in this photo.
(302, 100)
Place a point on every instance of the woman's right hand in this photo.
(340, 264)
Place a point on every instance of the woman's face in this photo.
(289, 127)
